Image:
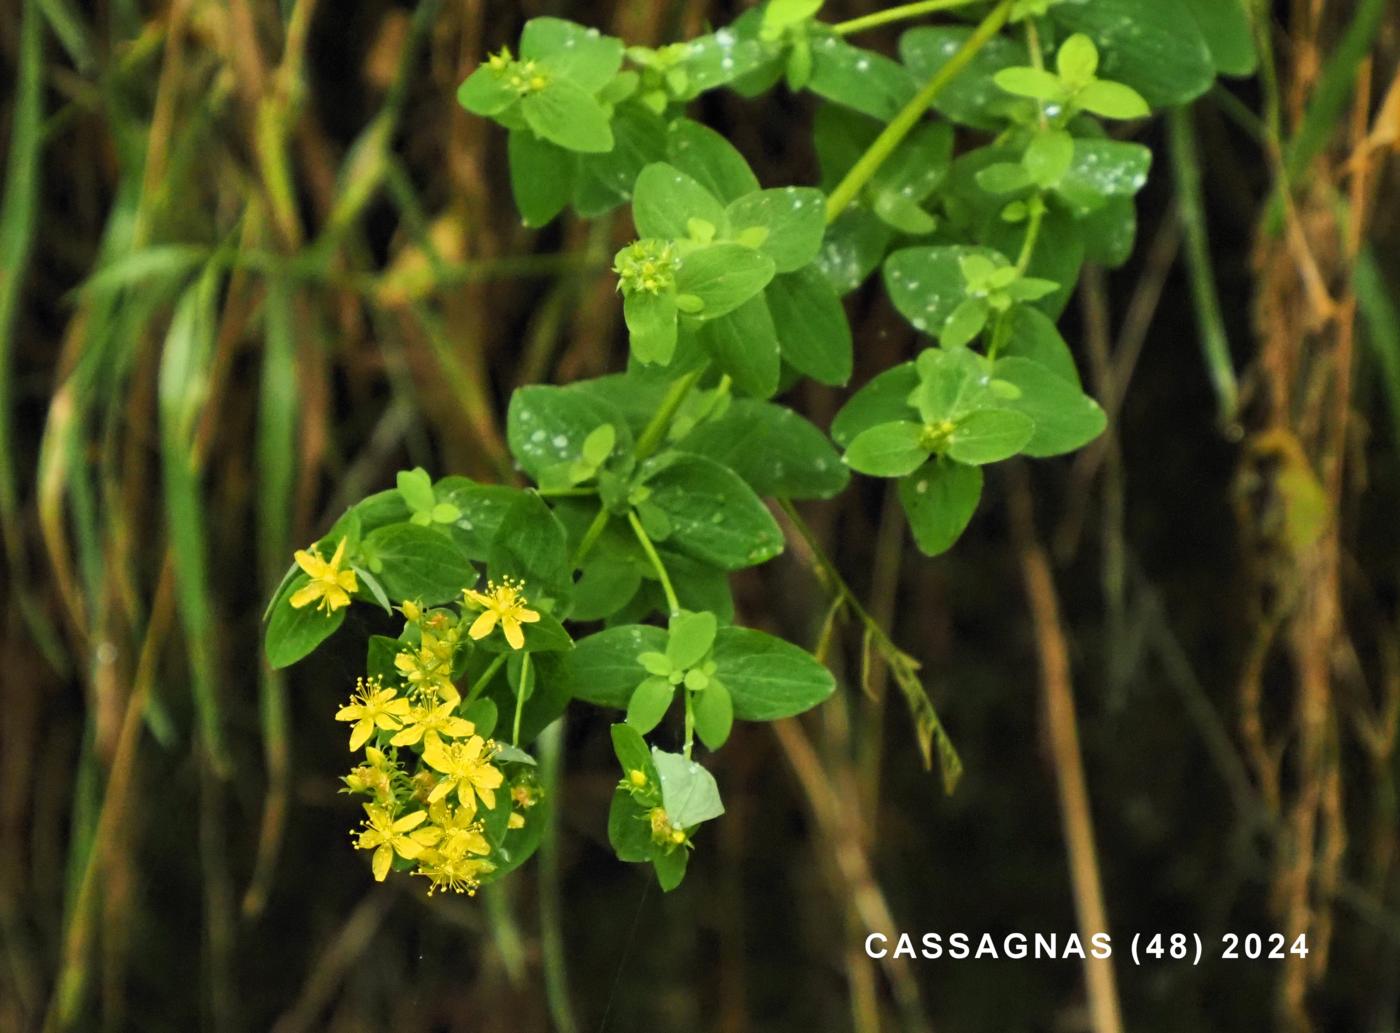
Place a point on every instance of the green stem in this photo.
(484, 680)
(671, 601)
(689, 721)
(655, 431)
(553, 955)
(904, 122)
(1037, 215)
(591, 536)
(520, 694)
(896, 14)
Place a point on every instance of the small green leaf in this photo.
(1031, 334)
(547, 426)
(666, 200)
(927, 283)
(939, 499)
(1077, 60)
(416, 487)
(862, 80)
(972, 98)
(1034, 83)
(629, 831)
(530, 545)
(565, 114)
(651, 326)
(632, 752)
(710, 159)
(585, 56)
(888, 450)
(1048, 156)
(794, 218)
(767, 677)
(692, 635)
(418, 563)
(714, 714)
(885, 399)
(649, 704)
(1065, 418)
(599, 444)
(670, 866)
(602, 669)
(988, 436)
(779, 14)
(688, 791)
(813, 333)
(776, 451)
(715, 517)
(485, 92)
(723, 277)
(1109, 99)
(541, 176)
(294, 633)
(744, 344)
(965, 323)
(1154, 46)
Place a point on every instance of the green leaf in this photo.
(416, 487)
(565, 114)
(1065, 418)
(601, 441)
(939, 499)
(1112, 100)
(965, 323)
(665, 200)
(1224, 25)
(632, 752)
(629, 830)
(582, 55)
(813, 333)
(606, 583)
(714, 714)
(1154, 46)
(485, 92)
(862, 80)
(723, 277)
(688, 791)
(884, 399)
(1109, 232)
(698, 586)
(531, 547)
(545, 635)
(888, 450)
(776, 451)
(692, 635)
(744, 344)
(729, 55)
(651, 326)
(971, 98)
(794, 218)
(710, 160)
(926, 283)
(604, 181)
(900, 213)
(294, 633)
(1048, 157)
(650, 701)
(418, 563)
(854, 247)
(715, 517)
(952, 383)
(1035, 83)
(546, 426)
(1031, 334)
(482, 507)
(989, 436)
(670, 865)
(602, 669)
(780, 14)
(541, 176)
(767, 677)
(1077, 59)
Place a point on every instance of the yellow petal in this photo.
(307, 594)
(360, 734)
(526, 616)
(383, 857)
(310, 562)
(346, 580)
(483, 625)
(441, 789)
(488, 776)
(488, 797)
(410, 821)
(407, 847)
(514, 635)
(353, 712)
(387, 721)
(339, 555)
(476, 597)
(458, 727)
(436, 757)
(336, 598)
(397, 707)
(408, 736)
(467, 798)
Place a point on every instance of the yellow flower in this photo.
(387, 837)
(458, 874)
(501, 602)
(372, 706)
(428, 666)
(465, 768)
(461, 834)
(374, 777)
(427, 724)
(328, 582)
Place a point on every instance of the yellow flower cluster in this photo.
(427, 773)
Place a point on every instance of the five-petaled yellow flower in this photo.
(458, 874)
(387, 837)
(501, 602)
(464, 767)
(461, 833)
(372, 706)
(428, 724)
(328, 582)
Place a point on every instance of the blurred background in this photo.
(1211, 588)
